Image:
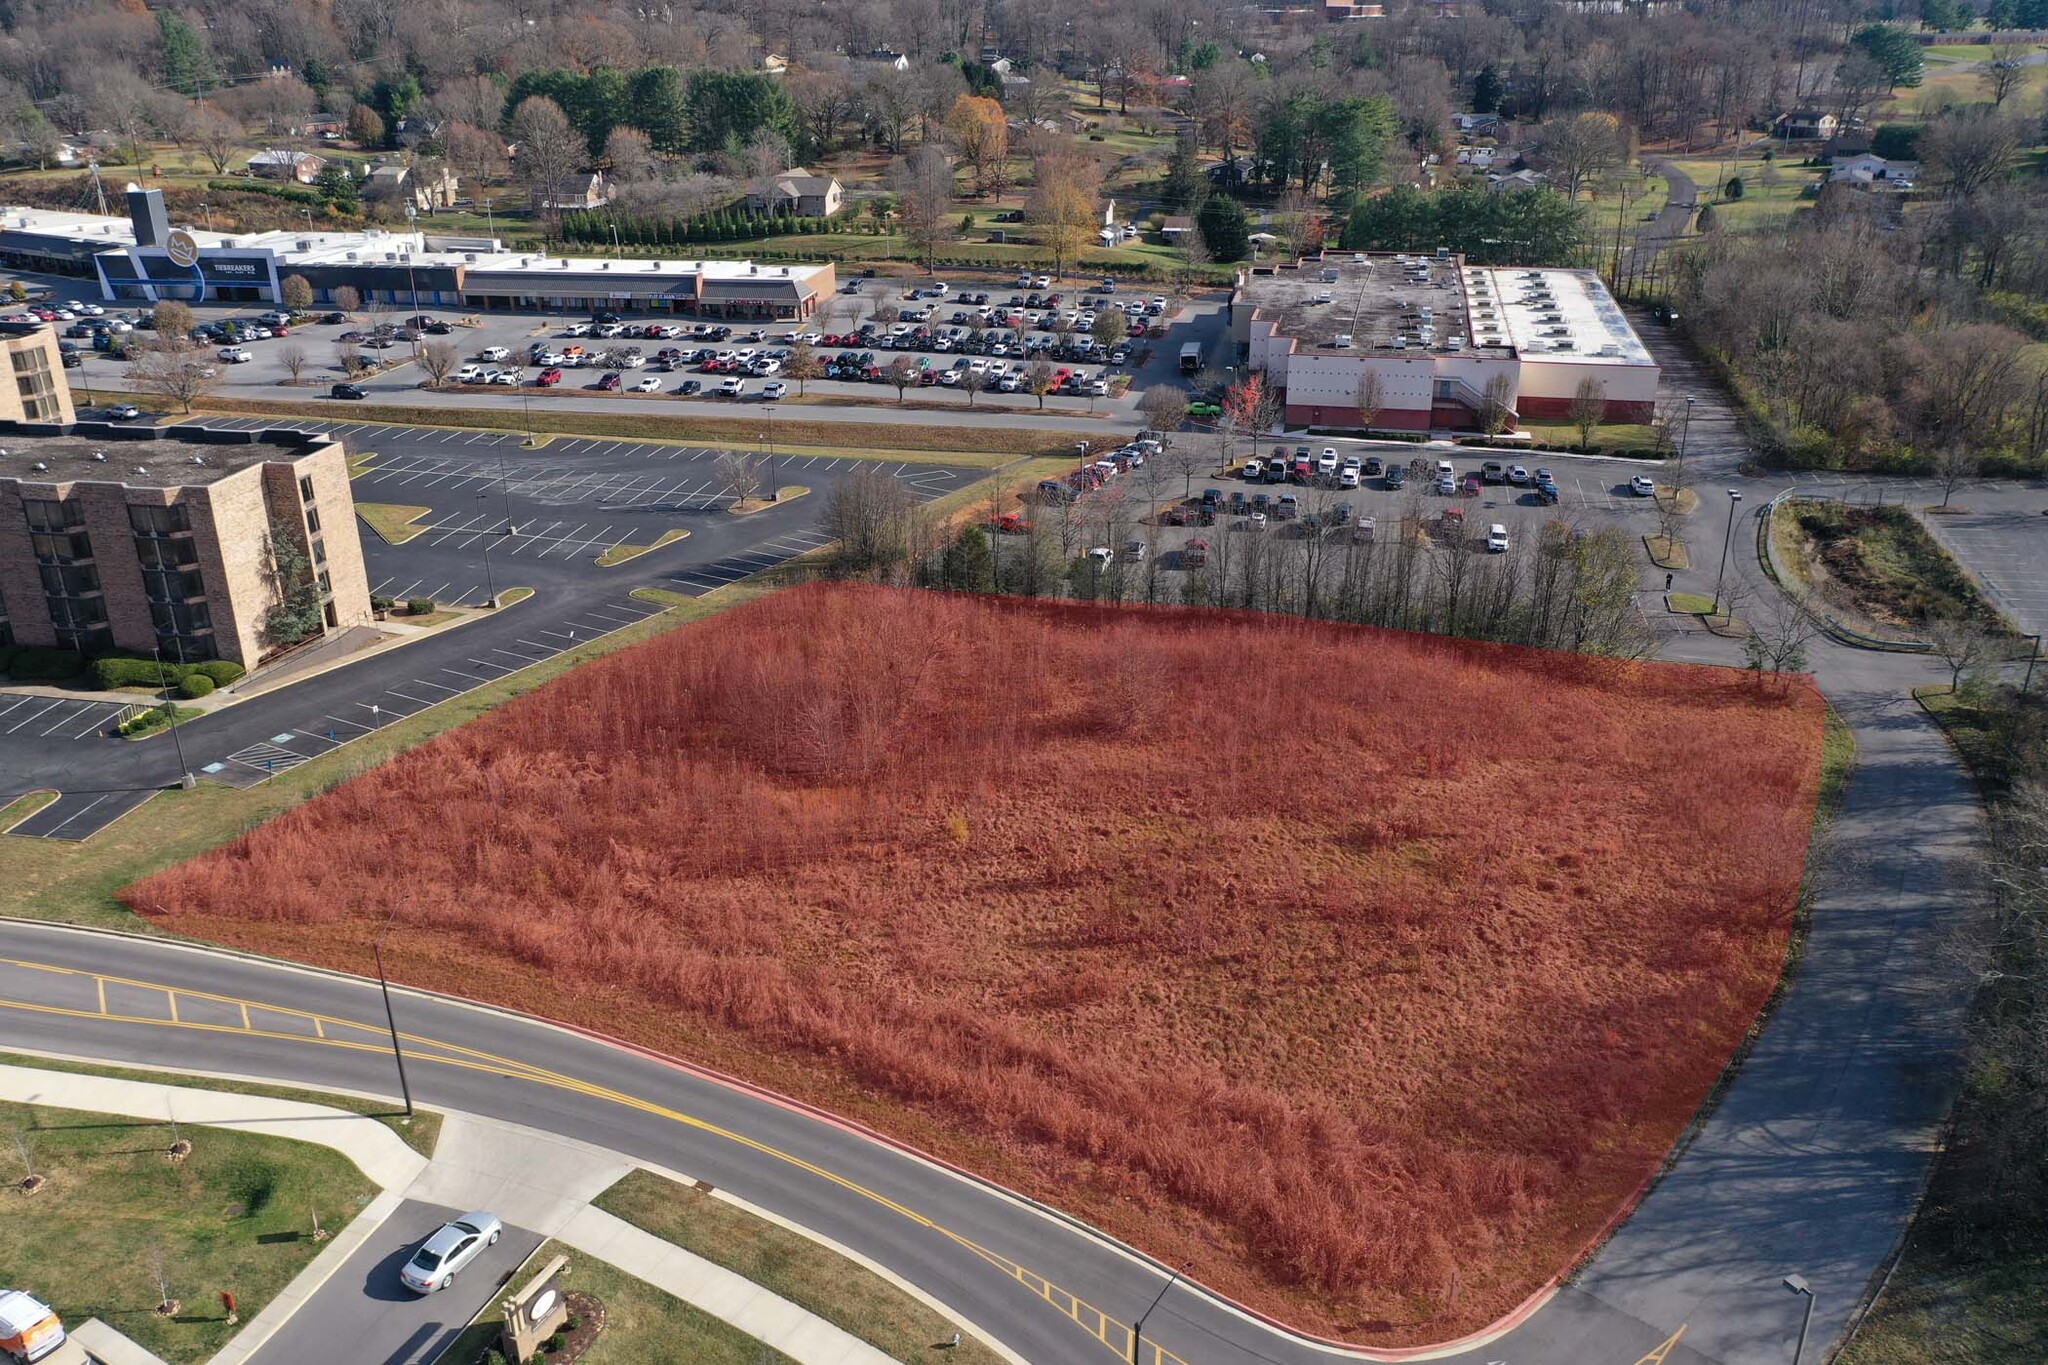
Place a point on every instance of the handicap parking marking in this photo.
(268, 757)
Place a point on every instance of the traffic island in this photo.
(394, 523)
(1667, 552)
(748, 506)
(622, 552)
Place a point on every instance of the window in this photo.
(61, 549)
(47, 514)
(319, 551)
(37, 386)
(146, 520)
(81, 624)
(306, 489)
(172, 585)
(62, 580)
(313, 519)
(181, 618)
(165, 554)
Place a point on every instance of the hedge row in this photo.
(26, 663)
(116, 670)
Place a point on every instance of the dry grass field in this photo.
(1373, 971)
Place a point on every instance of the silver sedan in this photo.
(442, 1256)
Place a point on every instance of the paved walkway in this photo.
(529, 1179)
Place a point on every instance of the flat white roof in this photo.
(376, 246)
(1553, 315)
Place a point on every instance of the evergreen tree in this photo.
(1224, 229)
(1487, 90)
(187, 61)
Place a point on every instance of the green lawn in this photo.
(234, 1215)
(393, 522)
(21, 807)
(849, 1296)
(1612, 436)
(642, 1325)
(420, 1132)
(1689, 603)
(1881, 563)
(621, 553)
(1771, 191)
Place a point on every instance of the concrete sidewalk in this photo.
(528, 1178)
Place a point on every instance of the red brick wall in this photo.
(1560, 409)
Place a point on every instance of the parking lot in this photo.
(1151, 359)
(56, 717)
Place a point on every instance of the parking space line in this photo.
(96, 721)
(66, 719)
(29, 718)
(440, 687)
(22, 700)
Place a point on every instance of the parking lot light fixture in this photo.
(185, 778)
(1798, 1285)
(391, 1020)
(1734, 497)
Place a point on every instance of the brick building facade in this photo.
(115, 538)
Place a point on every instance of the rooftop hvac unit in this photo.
(1342, 340)
(199, 459)
(40, 468)
(1329, 274)
(355, 256)
(1563, 345)
(753, 269)
(1443, 253)
(99, 457)
(469, 256)
(564, 263)
(1358, 258)
(305, 245)
(1399, 343)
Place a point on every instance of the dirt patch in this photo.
(1881, 564)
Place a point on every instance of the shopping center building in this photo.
(1427, 342)
(143, 258)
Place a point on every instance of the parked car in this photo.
(688, 387)
(1446, 486)
(1546, 492)
(1643, 486)
(549, 377)
(609, 383)
(1496, 539)
(773, 390)
(237, 355)
(1493, 471)
(494, 353)
(348, 391)
(123, 412)
(450, 1248)
(1518, 475)
(1396, 475)
(648, 385)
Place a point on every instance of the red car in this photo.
(609, 382)
(549, 377)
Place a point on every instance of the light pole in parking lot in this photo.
(412, 280)
(185, 778)
(767, 441)
(1798, 1285)
(1734, 497)
(1684, 435)
(526, 401)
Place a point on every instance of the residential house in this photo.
(1479, 125)
(1344, 11)
(799, 192)
(585, 190)
(774, 64)
(1514, 180)
(1176, 228)
(1851, 140)
(423, 189)
(1873, 172)
(1806, 125)
(885, 56)
(281, 163)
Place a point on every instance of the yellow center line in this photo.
(101, 982)
(1098, 1324)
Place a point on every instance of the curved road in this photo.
(1809, 1163)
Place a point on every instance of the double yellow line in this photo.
(1108, 1331)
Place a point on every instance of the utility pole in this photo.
(1798, 1285)
(185, 778)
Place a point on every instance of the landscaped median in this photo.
(622, 553)
(394, 523)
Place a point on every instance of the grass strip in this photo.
(843, 1292)
(621, 553)
(787, 493)
(157, 720)
(924, 443)
(21, 807)
(420, 1134)
(116, 1216)
(643, 1325)
(395, 523)
(1689, 603)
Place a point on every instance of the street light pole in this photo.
(391, 1020)
(1138, 1328)
(1798, 1285)
(185, 778)
(1734, 496)
(1684, 435)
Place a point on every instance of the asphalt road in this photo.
(380, 1320)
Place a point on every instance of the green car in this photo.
(1202, 407)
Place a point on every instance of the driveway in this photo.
(382, 1322)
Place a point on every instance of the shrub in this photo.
(116, 671)
(419, 606)
(379, 602)
(34, 663)
(194, 685)
(554, 1343)
(222, 671)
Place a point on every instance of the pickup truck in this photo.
(29, 1331)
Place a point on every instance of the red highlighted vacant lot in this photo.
(1372, 971)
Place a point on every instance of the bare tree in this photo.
(1163, 407)
(173, 371)
(347, 299)
(923, 183)
(972, 382)
(803, 365)
(549, 149)
(23, 1139)
(740, 475)
(1588, 409)
(1963, 646)
(348, 359)
(218, 136)
(2004, 72)
(901, 373)
(172, 321)
(1496, 405)
(1038, 380)
(867, 514)
(1955, 464)
(1779, 631)
(294, 359)
(159, 1266)
(1370, 398)
(438, 360)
